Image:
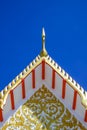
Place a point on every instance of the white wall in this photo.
(7, 106)
(28, 83)
(69, 96)
(58, 85)
(38, 76)
(48, 76)
(80, 110)
(17, 94)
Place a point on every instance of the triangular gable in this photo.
(44, 70)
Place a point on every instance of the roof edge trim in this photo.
(4, 93)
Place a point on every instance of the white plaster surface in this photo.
(80, 110)
(38, 75)
(17, 94)
(28, 83)
(7, 107)
(69, 95)
(48, 75)
(58, 85)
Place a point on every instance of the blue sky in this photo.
(65, 24)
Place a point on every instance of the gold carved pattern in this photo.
(43, 111)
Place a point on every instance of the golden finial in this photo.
(43, 52)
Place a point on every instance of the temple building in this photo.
(43, 97)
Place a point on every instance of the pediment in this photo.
(60, 104)
(44, 70)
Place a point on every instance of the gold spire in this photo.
(43, 52)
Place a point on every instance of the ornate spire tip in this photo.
(43, 32)
(43, 51)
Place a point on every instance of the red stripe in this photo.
(23, 89)
(33, 78)
(43, 69)
(63, 88)
(12, 99)
(74, 100)
(53, 79)
(85, 119)
(1, 115)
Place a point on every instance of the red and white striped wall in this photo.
(44, 73)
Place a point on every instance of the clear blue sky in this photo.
(65, 23)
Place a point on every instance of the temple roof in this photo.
(34, 64)
(44, 57)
